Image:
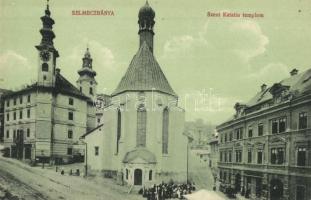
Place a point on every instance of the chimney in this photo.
(294, 72)
(263, 87)
(57, 71)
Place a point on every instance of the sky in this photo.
(210, 62)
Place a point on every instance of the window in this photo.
(274, 126)
(91, 91)
(14, 133)
(28, 132)
(28, 98)
(300, 192)
(230, 156)
(70, 134)
(21, 114)
(165, 125)
(7, 117)
(249, 156)
(44, 77)
(7, 134)
(277, 156)
(21, 99)
(226, 137)
(141, 126)
(45, 67)
(70, 115)
(96, 151)
(250, 132)
(7, 103)
(126, 174)
(70, 101)
(225, 153)
(239, 133)
(28, 113)
(98, 120)
(150, 175)
(69, 151)
(14, 101)
(14, 115)
(230, 136)
(259, 156)
(238, 156)
(118, 129)
(220, 157)
(80, 89)
(282, 125)
(260, 129)
(303, 120)
(301, 156)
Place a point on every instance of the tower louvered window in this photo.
(165, 131)
(141, 127)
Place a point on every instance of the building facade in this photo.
(141, 141)
(265, 149)
(44, 121)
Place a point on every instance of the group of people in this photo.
(167, 191)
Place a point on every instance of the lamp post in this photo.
(189, 141)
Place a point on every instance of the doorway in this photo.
(237, 183)
(138, 177)
(276, 189)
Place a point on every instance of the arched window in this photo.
(118, 129)
(45, 67)
(127, 174)
(150, 175)
(141, 126)
(165, 131)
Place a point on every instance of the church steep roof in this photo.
(144, 74)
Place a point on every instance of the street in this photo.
(19, 181)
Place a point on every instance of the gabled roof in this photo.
(141, 153)
(144, 74)
(62, 85)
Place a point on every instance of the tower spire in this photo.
(146, 22)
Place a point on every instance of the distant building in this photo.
(141, 140)
(44, 121)
(200, 132)
(213, 156)
(2, 93)
(265, 149)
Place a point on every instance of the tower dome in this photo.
(146, 12)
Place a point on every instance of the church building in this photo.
(44, 121)
(142, 137)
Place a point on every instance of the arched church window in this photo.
(45, 67)
(150, 175)
(127, 174)
(91, 91)
(141, 126)
(118, 129)
(165, 131)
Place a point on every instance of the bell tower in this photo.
(86, 82)
(47, 54)
(146, 22)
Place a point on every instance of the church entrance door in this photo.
(138, 177)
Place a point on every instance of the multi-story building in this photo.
(45, 120)
(265, 149)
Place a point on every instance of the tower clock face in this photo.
(45, 55)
